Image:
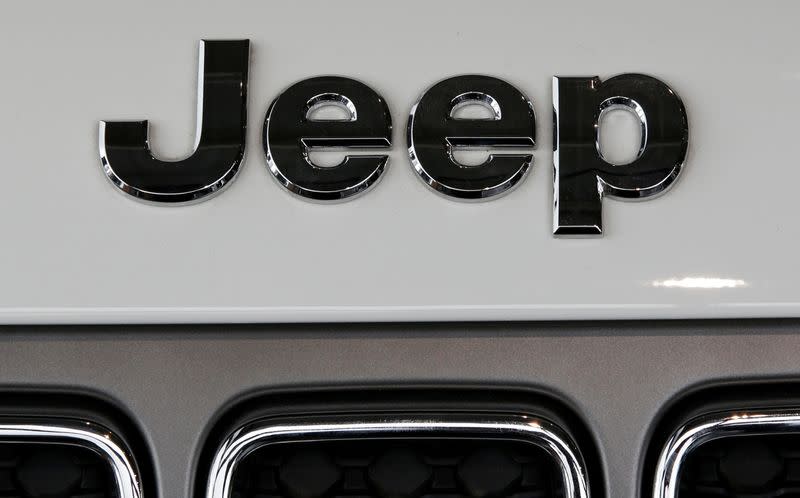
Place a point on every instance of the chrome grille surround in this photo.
(704, 429)
(65, 431)
(544, 434)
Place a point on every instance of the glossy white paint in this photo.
(722, 243)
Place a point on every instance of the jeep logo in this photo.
(582, 177)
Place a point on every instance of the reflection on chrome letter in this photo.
(220, 137)
(291, 131)
(434, 133)
(582, 176)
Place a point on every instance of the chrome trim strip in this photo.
(542, 433)
(712, 427)
(79, 433)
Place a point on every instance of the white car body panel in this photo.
(722, 243)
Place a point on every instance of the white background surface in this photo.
(74, 249)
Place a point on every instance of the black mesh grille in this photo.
(53, 471)
(752, 466)
(391, 468)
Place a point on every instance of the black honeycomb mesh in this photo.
(752, 466)
(53, 471)
(410, 468)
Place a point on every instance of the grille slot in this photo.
(747, 453)
(54, 471)
(421, 468)
(743, 467)
(64, 458)
(427, 457)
